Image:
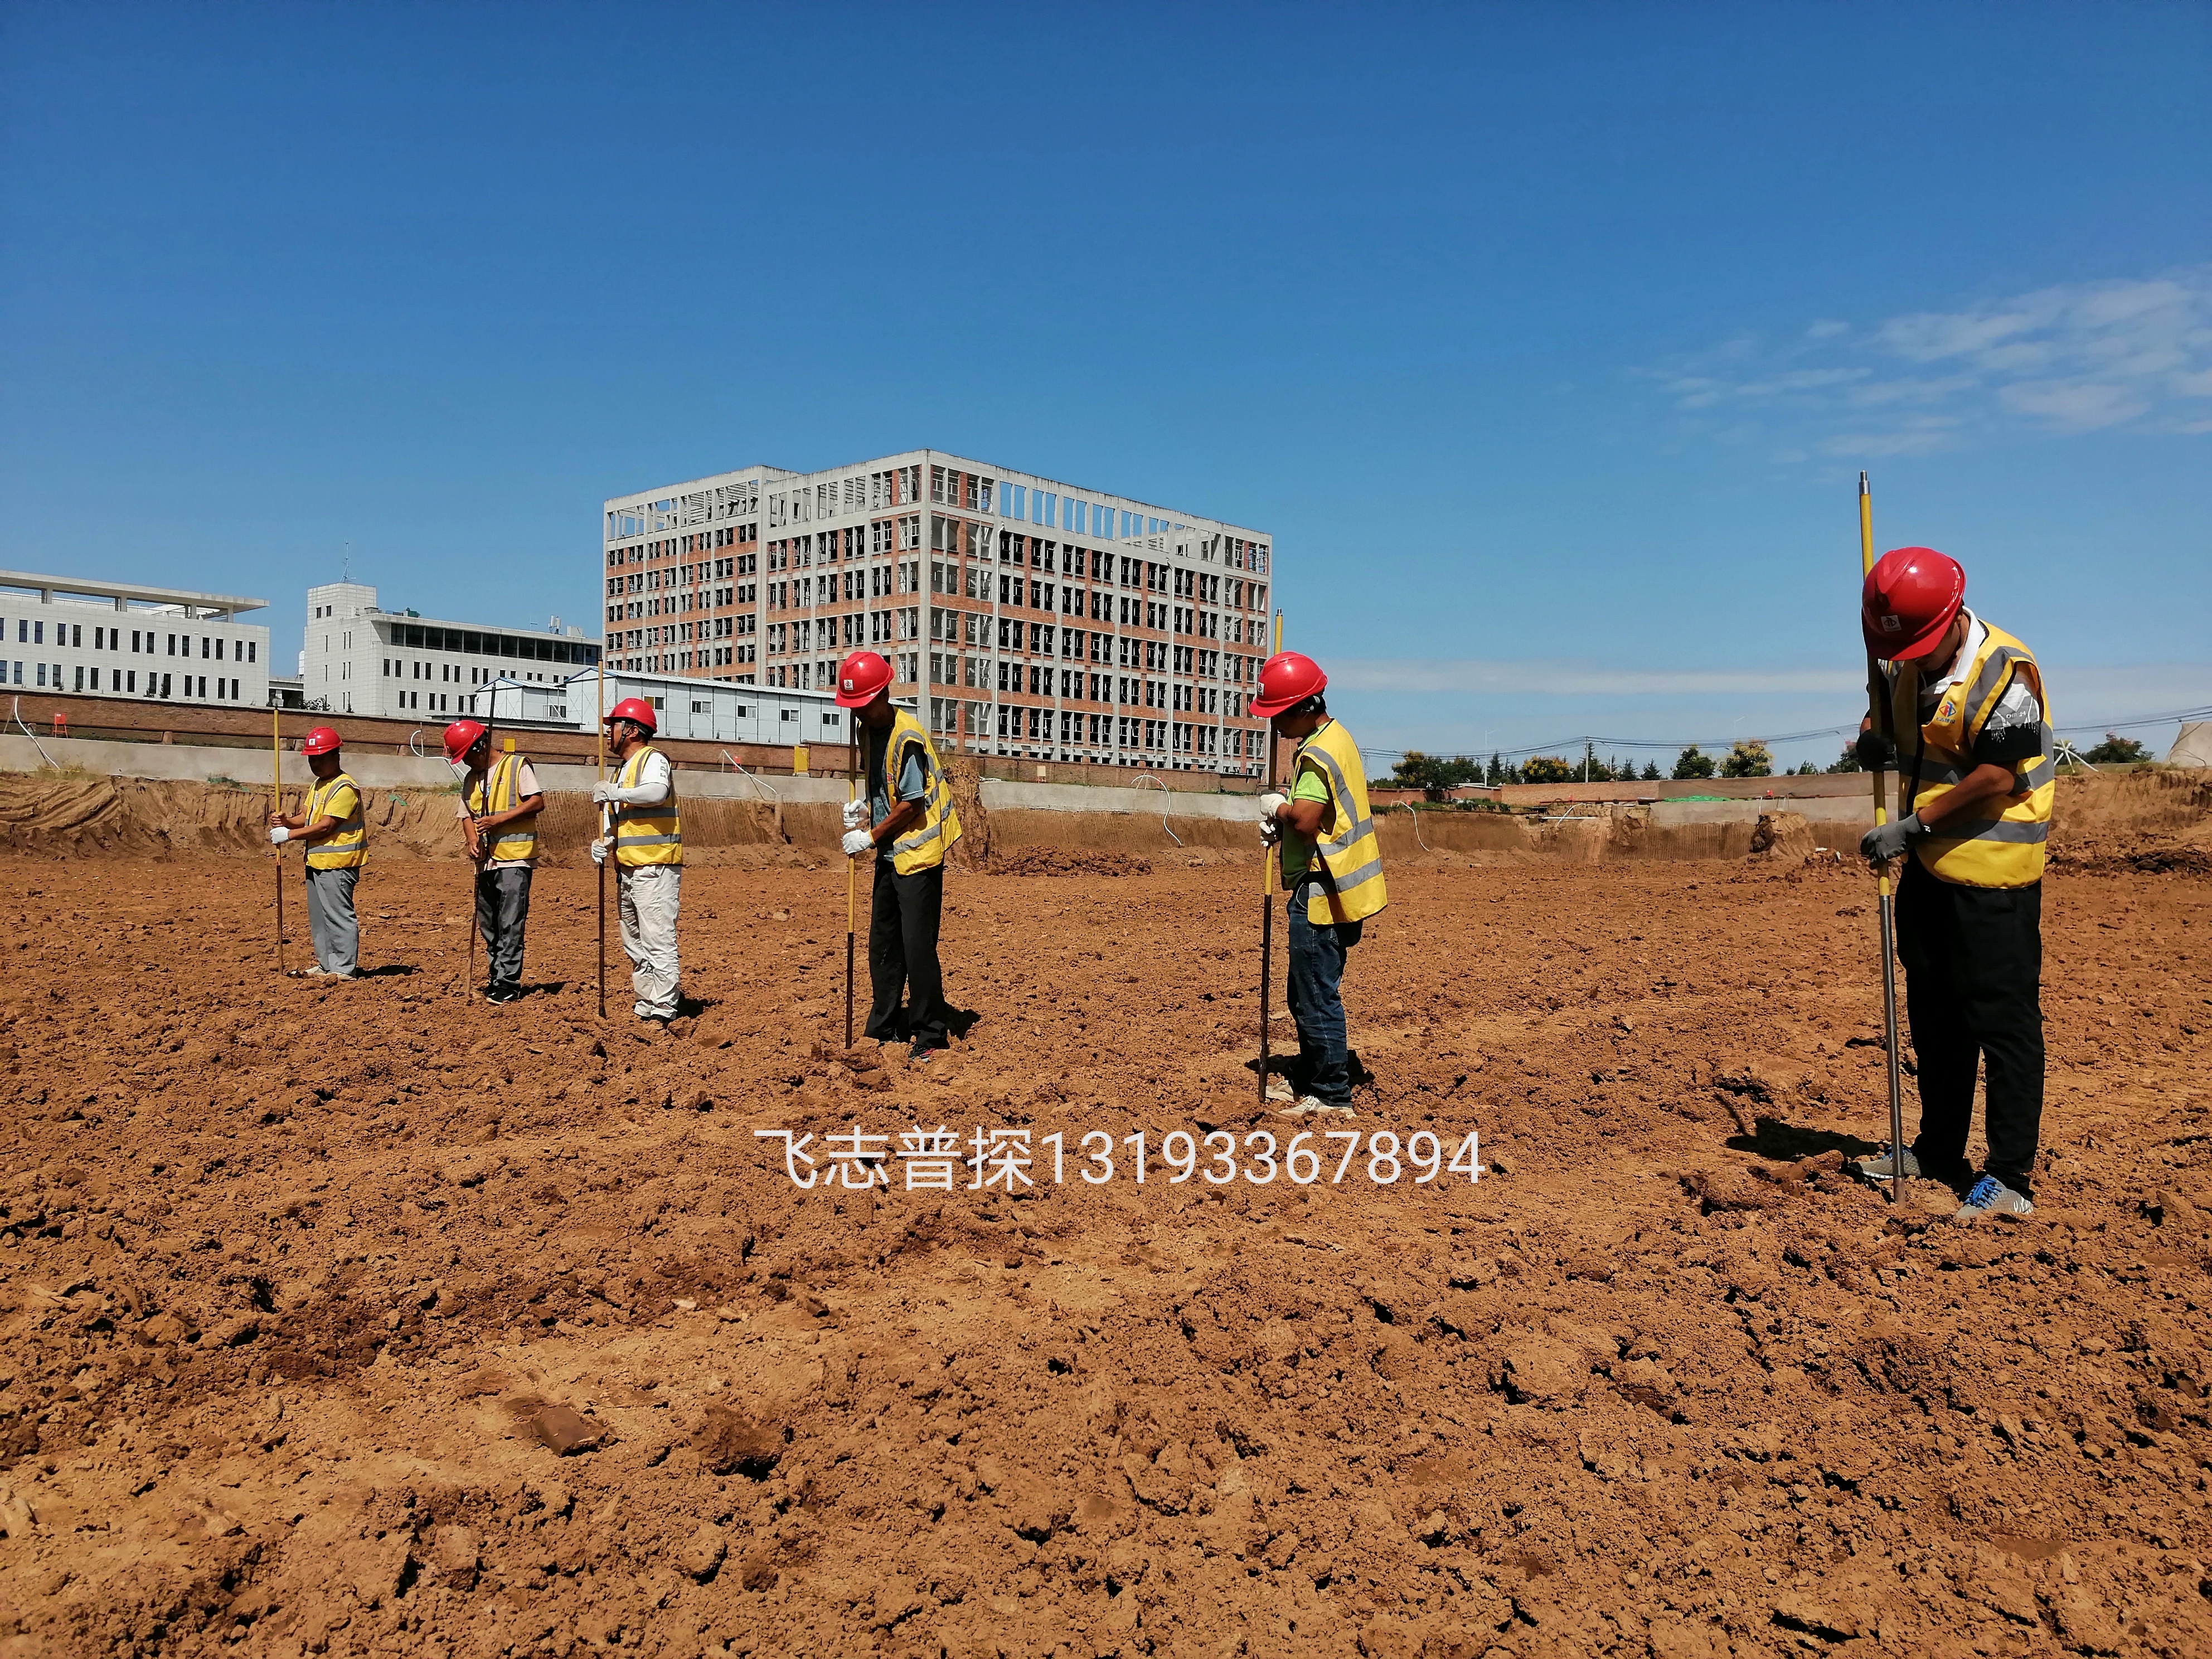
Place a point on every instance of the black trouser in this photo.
(902, 956)
(1974, 977)
(502, 907)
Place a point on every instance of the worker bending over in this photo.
(1332, 866)
(331, 824)
(1971, 725)
(909, 814)
(498, 813)
(648, 843)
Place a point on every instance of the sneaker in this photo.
(1883, 1166)
(317, 972)
(1279, 1089)
(1307, 1106)
(504, 994)
(1990, 1196)
(918, 1054)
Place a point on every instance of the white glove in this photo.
(856, 842)
(856, 814)
(1270, 832)
(1271, 803)
(600, 850)
(278, 834)
(602, 793)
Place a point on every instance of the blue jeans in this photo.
(1324, 1068)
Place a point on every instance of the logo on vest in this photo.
(1944, 712)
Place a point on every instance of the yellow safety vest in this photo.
(347, 847)
(925, 844)
(646, 835)
(517, 840)
(1350, 857)
(2004, 851)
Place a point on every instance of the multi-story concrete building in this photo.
(1025, 616)
(359, 659)
(122, 639)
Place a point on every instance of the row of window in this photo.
(675, 547)
(214, 647)
(121, 681)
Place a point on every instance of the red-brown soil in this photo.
(303, 1286)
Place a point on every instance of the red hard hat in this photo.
(1909, 599)
(859, 677)
(320, 741)
(635, 710)
(1287, 679)
(461, 737)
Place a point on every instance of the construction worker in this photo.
(1971, 724)
(331, 823)
(1332, 867)
(648, 843)
(498, 813)
(908, 812)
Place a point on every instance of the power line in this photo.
(1567, 747)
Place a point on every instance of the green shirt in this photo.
(1298, 849)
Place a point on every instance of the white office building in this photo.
(1023, 615)
(71, 635)
(358, 658)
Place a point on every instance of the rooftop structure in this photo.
(82, 636)
(358, 658)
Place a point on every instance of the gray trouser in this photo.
(502, 907)
(330, 920)
(646, 895)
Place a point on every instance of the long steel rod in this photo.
(1267, 901)
(852, 793)
(1878, 713)
(600, 685)
(276, 805)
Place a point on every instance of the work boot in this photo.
(1883, 1166)
(1990, 1196)
(1277, 1089)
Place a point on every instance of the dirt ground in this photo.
(366, 1318)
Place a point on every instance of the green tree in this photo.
(1496, 773)
(1748, 759)
(1805, 769)
(1848, 761)
(1546, 768)
(2117, 750)
(1693, 763)
(1425, 773)
(1651, 771)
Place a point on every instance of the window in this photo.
(1015, 501)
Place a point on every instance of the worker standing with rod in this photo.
(1968, 703)
(500, 803)
(331, 824)
(1332, 866)
(910, 819)
(648, 853)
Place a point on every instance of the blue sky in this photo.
(1547, 341)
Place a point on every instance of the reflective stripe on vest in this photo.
(2005, 850)
(646, 835)
(1350, 857)
(346, 848)
(924, 846)
(517, 840)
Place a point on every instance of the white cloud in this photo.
(2079, 357)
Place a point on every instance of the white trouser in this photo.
(646, 899)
